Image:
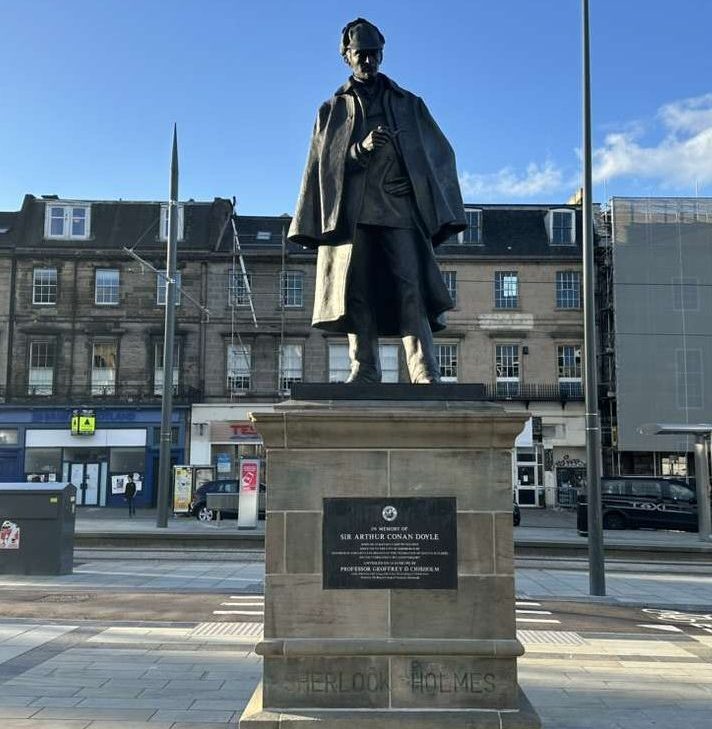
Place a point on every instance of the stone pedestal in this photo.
(389, 657)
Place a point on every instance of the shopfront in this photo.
(122, 442)
(223, 434)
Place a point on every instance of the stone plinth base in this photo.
(389, 587)
(523, 716)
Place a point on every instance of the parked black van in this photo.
(630, 502)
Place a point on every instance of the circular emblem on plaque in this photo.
(389, 513)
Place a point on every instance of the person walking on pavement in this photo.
(130, 493)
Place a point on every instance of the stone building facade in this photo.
(84, 325)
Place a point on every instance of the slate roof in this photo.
(517, 231)
(509, 231)
(118, 223)
(8, 222)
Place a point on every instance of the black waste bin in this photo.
(37, 528)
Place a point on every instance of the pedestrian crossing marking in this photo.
(666, 628)
(220, 630)
(238, 612)
(550, 637)
(242, 605)
(537, 620)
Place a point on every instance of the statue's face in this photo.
(364, 62)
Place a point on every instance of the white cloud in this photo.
(682, 157)
(671, 151)
(536, 180)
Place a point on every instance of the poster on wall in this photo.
(223, 463)
(182, 489)
(118, 483)
(203, 474)
(9, 535)
(249, 493)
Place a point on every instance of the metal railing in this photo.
(124, 393)
(534, 392)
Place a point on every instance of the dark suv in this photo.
(199, 506)
(630, 502)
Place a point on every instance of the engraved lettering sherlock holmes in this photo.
(379, 192)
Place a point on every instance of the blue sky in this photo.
(90, 90)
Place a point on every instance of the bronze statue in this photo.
(379, 192)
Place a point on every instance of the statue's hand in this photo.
(398, 186)
(376, 138)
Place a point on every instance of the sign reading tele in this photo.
(377, 543)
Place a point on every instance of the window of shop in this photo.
(473, 232)
(163, 228)
(506, 290)
(239, 366)
(43, 462)
(292, 289)
(127, 460)
(158, 367)
(389, 362)
(239, 288)
(226, 458)
(450, 281)
(568, 289)
(291, 370)
(339, 363)
(8, 436)
(106, 286)
(161, 287)
(40, 375)
(674, 465)
(569, 361)
(103, 369)
(507, 369)
(67, 221)
(44, 286)
(446, 356)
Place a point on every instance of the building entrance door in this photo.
(528, 476)
(85, 476)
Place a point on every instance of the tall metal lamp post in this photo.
(164, 459)
(596, 572)
(702, 432)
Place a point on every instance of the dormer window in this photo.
(263, 235)
(163, 233)
(560, 225)
(67, 222)
(473, 233)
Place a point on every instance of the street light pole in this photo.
(597, 575)
(702, 482)
(164, 459)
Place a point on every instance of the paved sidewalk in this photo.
(73, 677)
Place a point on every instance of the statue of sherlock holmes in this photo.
(379, 192)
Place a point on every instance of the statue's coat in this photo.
(320, 220)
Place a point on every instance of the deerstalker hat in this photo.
(360, 34)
